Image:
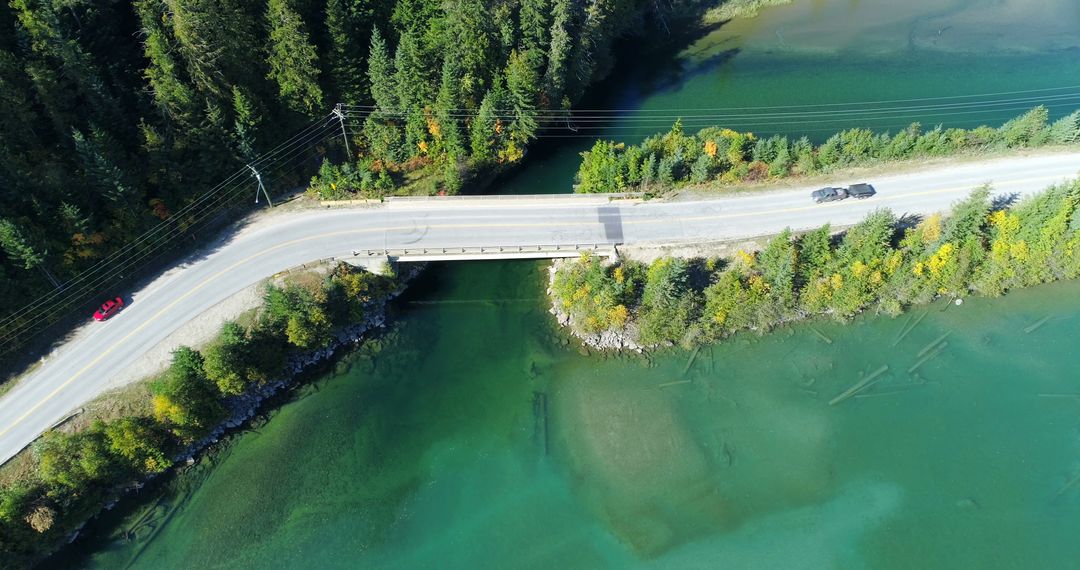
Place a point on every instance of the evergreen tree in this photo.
(558, 55)
(535, 25)
(346, 22)
(245, 125)
(471, 38)
(100, 172)
(294, 63)
(411, 75)
(17, 247)
(490, 132)
(171, 92)
(522, 83)
(413, 92)
(218, 42)
(381, 74)
(448, 108)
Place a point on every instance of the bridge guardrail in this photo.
(483, 250)
(515, 197)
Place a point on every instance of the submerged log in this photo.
(933, 344)
(928, 357)
(821, 335)
(907, 331)
(690, 361)
(1035, 326)
(859, 386)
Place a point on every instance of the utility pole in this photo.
(344, 134)
(258, 177)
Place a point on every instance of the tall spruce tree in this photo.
(381, 75)
(219, 44)
(347, 22)
(245, 125)
(294, 63)
(171, 92)
(558, 55)
(522, 83)
(535, 25)
(471, 37)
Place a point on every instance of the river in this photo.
(476, 435)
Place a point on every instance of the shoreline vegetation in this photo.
(719, 157)
(71, 476)
(739, 9)
(883, 264)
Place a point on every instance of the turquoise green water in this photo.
(478, 437)
(434, 453)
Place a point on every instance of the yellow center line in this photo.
(104, 354)
(890, 197)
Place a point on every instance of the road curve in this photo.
(83, 367)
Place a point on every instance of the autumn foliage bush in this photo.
(723, 155)
(882, 264)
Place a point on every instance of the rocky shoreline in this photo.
(616, 340)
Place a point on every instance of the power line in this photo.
(121, 256)
(546, 117)
(806, 105)
(153, 242)
(146, 255)
(124, 263)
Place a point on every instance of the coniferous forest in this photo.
(117, 114)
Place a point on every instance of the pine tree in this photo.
(218, 42)
(84, 92)
(19, 249)
(535, 25)
(100, 172)
(17, 119)
(521, 81)
(562, 27)
(346, 21)
(294, 63)
(411, 78)
(171, 92)
(413, 92)
(483, 131)
(447, 107)
(381, 75)
(471, 38)
(245, 125)
(1066, 129)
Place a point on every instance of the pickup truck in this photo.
(832, 194)
(828, 194)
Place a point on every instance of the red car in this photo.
(108, 309)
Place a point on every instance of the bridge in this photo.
(459, 228)
(368, 257)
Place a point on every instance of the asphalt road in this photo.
(81, 369)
